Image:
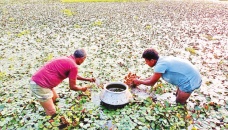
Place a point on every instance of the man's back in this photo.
(177, 71)
(55, 71)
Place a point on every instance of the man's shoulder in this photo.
(163, 59)
(169, 59)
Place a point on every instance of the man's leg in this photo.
(44, 96)
(182, 96)
(49, 107)
(55, 95)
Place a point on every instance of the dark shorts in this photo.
(188, 88)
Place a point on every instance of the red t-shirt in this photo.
(55, 71)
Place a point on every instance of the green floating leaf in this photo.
(38, 40)
(2, 123)
(68, 12)
(2, 75)
(2, 106)
(191, 50)
(56, 123)
(40, 124)
(84, 126)
(23, 33)
(225, 120)
(226, 125)
(148, 27)
(153, 124)
(48, 125)
(49, 57)
(97, 23)
(197, 108)
(151, 118)
(77, 26)
(69, 114)
(142, 119)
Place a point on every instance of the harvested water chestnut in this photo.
(129, 80)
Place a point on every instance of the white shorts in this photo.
(40, 93)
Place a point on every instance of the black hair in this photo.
(150, 54)
(79, 53)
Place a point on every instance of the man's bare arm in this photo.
(150, 81)
(74, 87)
(85, 79)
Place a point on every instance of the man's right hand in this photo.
(136, 82)
(83, 89)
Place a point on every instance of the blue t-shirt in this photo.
(178, 72)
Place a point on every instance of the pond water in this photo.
(95, 97)
(116, 89)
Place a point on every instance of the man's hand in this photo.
(83, 89)
(137, 82)
(86, 79)
(149, 81)
(92, 80)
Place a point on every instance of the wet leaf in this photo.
(150, 118)
(2, 107)
(191, 50)
(68, 12)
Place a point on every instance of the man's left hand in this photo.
(92, 80)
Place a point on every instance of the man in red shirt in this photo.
(44, 81)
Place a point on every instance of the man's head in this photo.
(80, 56)
(150, 56)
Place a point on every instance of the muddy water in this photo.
(95, 97)
(143, 92)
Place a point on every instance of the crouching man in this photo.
(44, 81)
(179, 72)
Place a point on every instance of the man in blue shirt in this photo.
(176, 71)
